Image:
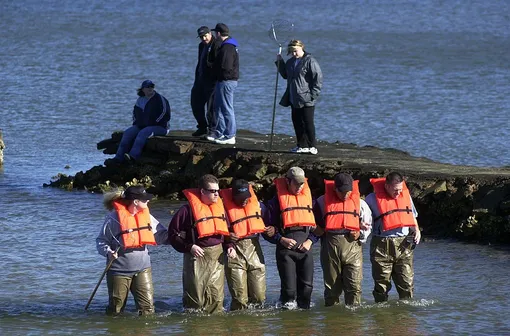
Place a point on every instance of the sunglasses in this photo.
(213, 191)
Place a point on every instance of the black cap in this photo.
(202, 31)
(137, 192)
(240, 191)
(343, 182)
(221, 28)
(147, 83)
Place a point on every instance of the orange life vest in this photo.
(136, 231)
(247, 220)
(341, 214)
(296, 210)
(395, 212)
(209, 219)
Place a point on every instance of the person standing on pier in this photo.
(304, 84)
(151, 115)
(291, 213)
(345, 220)
(124, 237)
(246, 273)
(222, 126)
(202, 93)
(198, 230)
(394, 236)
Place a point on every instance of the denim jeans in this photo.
(223, 123)
(134, 139)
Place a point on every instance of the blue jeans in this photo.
(135, 138)
(223, 123)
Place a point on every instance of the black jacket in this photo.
(226, 65)
(204, 69)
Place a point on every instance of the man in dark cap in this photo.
(246, 272)
(345, 220)
(222, 127)
(202, 92)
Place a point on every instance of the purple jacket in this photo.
(182, 236)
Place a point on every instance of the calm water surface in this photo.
(427, 77)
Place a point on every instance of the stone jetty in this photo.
(470, 203)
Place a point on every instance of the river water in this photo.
(427, 77)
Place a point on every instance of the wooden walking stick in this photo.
(101, 279)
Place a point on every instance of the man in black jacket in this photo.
(222, 127)
(202, 92)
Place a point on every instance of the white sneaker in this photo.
(303, 150)
(209, 138)
(313, 151)
(223, 141)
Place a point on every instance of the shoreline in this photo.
(464, 202)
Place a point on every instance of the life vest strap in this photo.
(354, 213)
(298, 208)
(257, 215)
(148, 227)
(222, 217)
(407, 210)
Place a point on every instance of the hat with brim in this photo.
(147, 84)
(137, 193)
(343, 182)
(240, 191)
(221, 28)
(202, 31)
(297, 174)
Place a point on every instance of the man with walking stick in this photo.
(123, 239)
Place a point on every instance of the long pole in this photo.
(274, 102)
(100, 280)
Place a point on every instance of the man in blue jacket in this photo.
(222, 127)
(151, 115)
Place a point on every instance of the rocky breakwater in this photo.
(470, 203)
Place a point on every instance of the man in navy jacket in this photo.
(151, 115)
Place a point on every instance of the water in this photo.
(428, 77)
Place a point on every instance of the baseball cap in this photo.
(297, 174)
(147, 83)
(202, 31)
(137, 192)
(221, 28)
(343, 182)
(240, 190)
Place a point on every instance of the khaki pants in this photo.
(203, 280)
(140, 285)
(391, 258)
(342, 266)
(246, 274)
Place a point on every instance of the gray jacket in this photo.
(304, 81)
(131, 260)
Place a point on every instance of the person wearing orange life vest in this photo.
(394, 236)
(198, 230)
(291, 213)
(246, 273)
(345, 220)
(126, 232)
